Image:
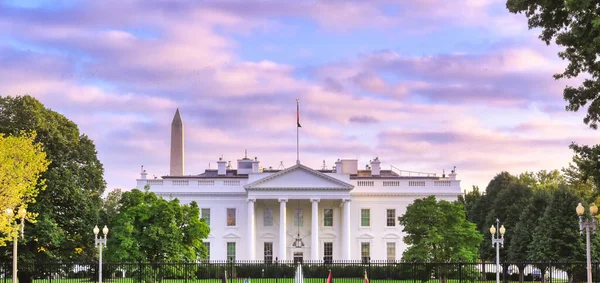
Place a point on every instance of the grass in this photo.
(263, 280)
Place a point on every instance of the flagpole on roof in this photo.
(298, 131)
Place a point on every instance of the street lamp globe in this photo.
(9, 212)
(580, 210)
(593, 209)
(493, 230)
(105, 230)
(96, 230)
(22, 212)
(502, 230)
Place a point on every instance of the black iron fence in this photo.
(313, 272)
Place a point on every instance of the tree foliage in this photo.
(22, 161)
(68, 208)
(557, 238)
(437, 231)
(574, 25)
(469, 200)
(584, 174)
(507, 207)
(151, 229)
(480, 211)
(542, 180)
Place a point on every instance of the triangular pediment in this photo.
(299, 177)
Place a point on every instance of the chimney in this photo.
(338, 166)
(452, 175)
(177, 145)
(143, 174)
(245, 165)
(375, 167)
(221, 165)
(255, 165)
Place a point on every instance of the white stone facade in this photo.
(346, 195)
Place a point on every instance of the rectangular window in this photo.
(268, 217)
(365, 217)
(268, 252)
(391, 217)
(231, 217)
(299, 218)
(328, 217)
(231, 251)
(365, 252)
(206, 215)
(391, 251)
(328, 252)
(207, 245)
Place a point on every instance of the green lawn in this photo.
(264, 280)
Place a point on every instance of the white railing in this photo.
(391, 183)
(416, 183)
(155, 182)
(206, 182)
(231, 182)
(407, 183)
(180, 182)
(188, 183)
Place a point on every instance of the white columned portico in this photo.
(251, 233)
(282, 229)
(314, 243)
(346, 230)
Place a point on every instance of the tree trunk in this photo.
(521, 273)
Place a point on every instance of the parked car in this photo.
(536, 275)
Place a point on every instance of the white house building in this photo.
(328, 214)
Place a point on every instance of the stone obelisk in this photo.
(177, 145)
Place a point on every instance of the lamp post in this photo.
(587, 225)
(498, 240)
(21, 214)
(100, 242)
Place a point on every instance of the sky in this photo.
(424, 85)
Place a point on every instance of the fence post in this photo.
(460, 272)
(185, 272)
(370, 266)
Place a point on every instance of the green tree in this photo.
(542, 180)
(151, 229)
(110, 206)
(507, 207)
(469, 200)
(583, 172)
(480, 211)
(481, 208)
(522, 240)
(437, 231)
(557, 237)
(574, 25)
(22, 161)
(69, 206)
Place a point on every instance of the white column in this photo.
(314, 243)
(251, 234)
(282, 229)
(346, 230)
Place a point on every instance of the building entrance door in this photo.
(298, 257)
